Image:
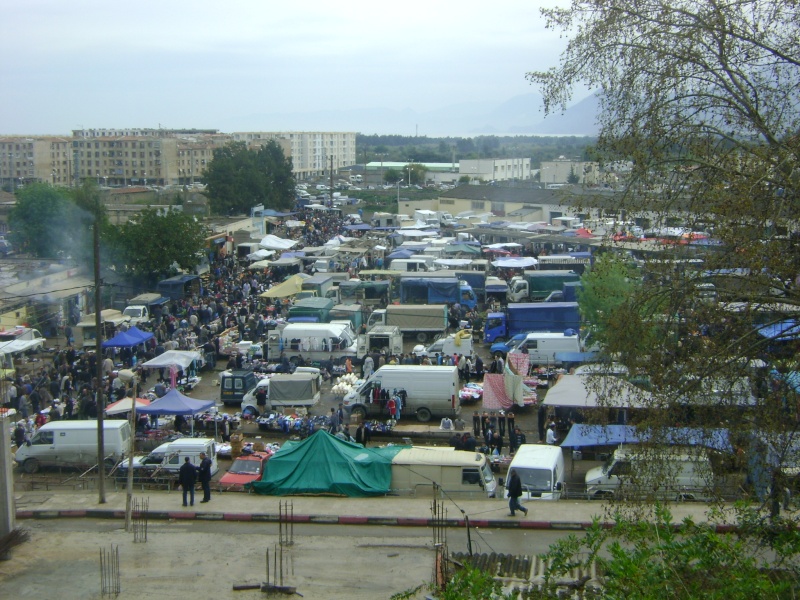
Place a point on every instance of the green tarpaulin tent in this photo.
(324, 464)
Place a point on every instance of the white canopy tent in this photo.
(260, 254)
(515, 263)
(179, 358)
(273, 242)
(583, 391)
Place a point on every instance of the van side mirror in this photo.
(558, 486)
(27, 442)
(501, 482)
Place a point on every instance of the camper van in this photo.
(416, 469)
(430, 391)
(669, 473)
(541, 471)
(74, 444)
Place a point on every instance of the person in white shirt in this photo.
(551, 434)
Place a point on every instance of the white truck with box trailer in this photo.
(424, 321)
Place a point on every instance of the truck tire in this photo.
(422, 337)
(361, 411)
(31, 466)
(423, 415)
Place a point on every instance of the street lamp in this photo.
(54, 177)
(128, 376)
(145, 178)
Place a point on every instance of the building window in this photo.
(478, 205)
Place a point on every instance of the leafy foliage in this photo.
(392, 176)
(50, 222)
(642, 560)
(147, 247)
(239, 178)
(701, 99)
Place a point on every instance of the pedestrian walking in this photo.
(187, 476)
(514, 490)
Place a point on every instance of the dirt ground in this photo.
(178, 561)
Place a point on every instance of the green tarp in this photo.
(324, 464)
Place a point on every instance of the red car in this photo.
(246, 468)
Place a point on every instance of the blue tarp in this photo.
(404, 253)
(576, 357)
(582, 436)
(781, 332)
(359, 227)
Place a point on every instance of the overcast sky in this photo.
(181, 64)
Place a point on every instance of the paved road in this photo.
(203, 560)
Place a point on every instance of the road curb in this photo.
(185, 515)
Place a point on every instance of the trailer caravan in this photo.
(415, 470)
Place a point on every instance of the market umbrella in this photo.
(126, 405)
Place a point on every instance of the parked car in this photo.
(245, 469)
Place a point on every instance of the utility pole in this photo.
(98, 340)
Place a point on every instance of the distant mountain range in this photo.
(521, 115)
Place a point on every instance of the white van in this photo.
(543, 346)
(312, 341)
(416, 469)
(455, 343)
(668, 473)
(430, 391)
(410, 265)
(168, 457)
(541, 471)
(74, 444)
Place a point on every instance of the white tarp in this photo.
(515, 263)
(452, 262)
(273, 242)
(414, 233)
(15, 346)
(180, 358)
(260, 254)
(580, 391)
(338, 241)
(505, 245)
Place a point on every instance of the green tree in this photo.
(418, 173)
(464, 180)
(573, 177)
(695, 96)
(642, 560)
(392, 176)
(47, 223)
(603, 300)
(239, 178)
(147, 246)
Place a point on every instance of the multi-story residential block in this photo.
(313, 153)
(122, 157)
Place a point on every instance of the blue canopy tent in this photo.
(404, 253)
(123, 340)
(359, 227)
(581, 436)
(136, 332)
(175, 403)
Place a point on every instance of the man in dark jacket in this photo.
(514, 490)
(187, 476)
(204, 475)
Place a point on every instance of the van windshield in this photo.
(535, 480)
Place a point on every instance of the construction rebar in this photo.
(286, 523)
(139, 519)
(109, 572)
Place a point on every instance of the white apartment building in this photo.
(123, 157)
(313, 153)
